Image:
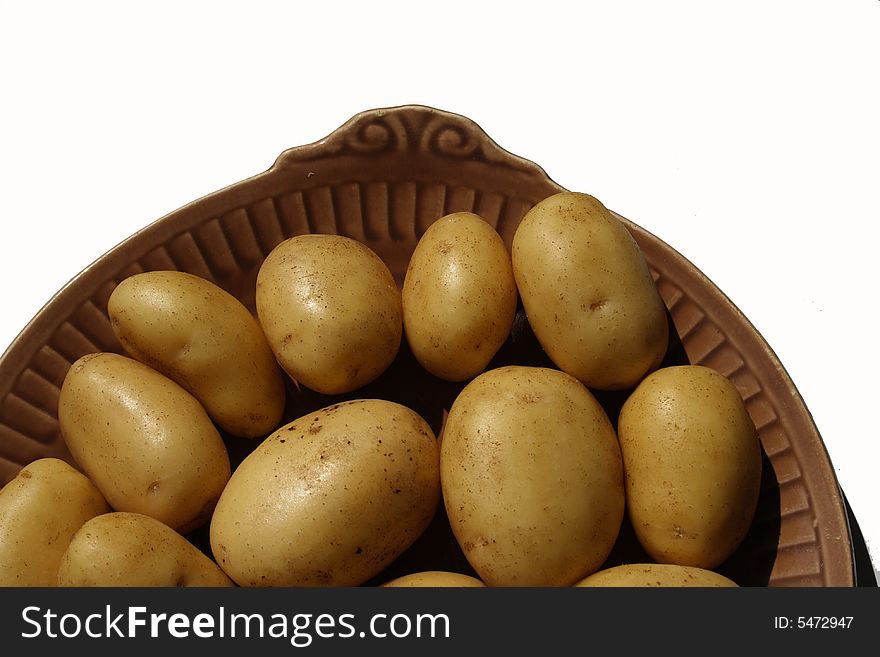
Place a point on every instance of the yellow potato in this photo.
(532, 477)
(435, 578)
(130, 549)
(330, 499)
(331, 311)
(145, 442)
(654, 574)
(693, 465)
(40, 511)
(459, 297)
(203, 338)
(588, 293)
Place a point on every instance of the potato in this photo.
(459, 297)
(40, 510)
(146, 442)
(693, 465)
(435, 578)
(330, 499)
(588, 293)
(532, 477)
(331, 311)
(654, 574)
(203, 338)
(130, 549)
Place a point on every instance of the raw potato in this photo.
(145, 442)
(203, 338)
(435, 578)
(331, 311)
(654, 574)
(40, 511)
(588, 292)
(459, 297)
(693, 465)
(129, 549)
(532, 477)
(330, 499)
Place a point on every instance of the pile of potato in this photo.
(534, 476)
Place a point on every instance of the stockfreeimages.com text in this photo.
(300, 629)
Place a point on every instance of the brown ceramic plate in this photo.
(383, 178)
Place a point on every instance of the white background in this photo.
(743, 134)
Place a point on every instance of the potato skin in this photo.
(40, 511)
(203, 338)
(459, 297)
(588, 292)
(532, 477)
(435, 578)
(146, 443)
(130, 549)
(654, 575)
(693, 465)
(330, 499)
(330, 310)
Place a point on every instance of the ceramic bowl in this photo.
(383, 178)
